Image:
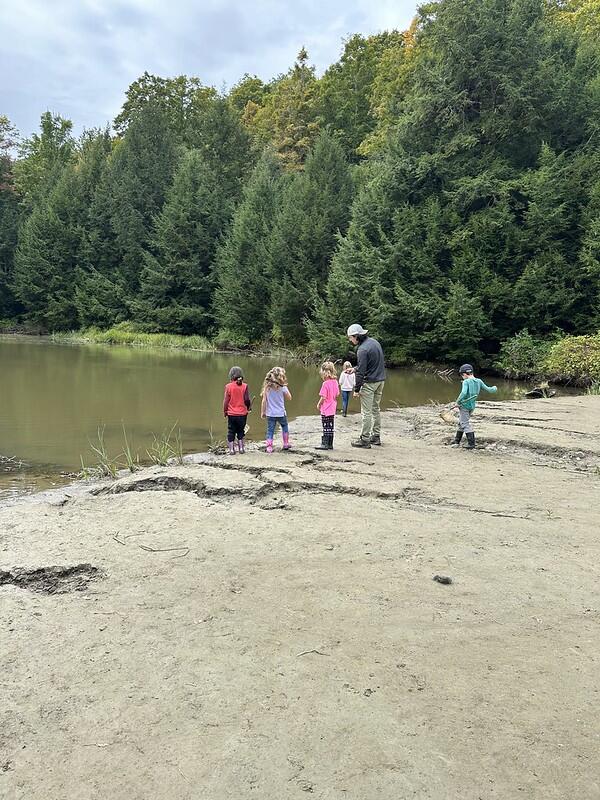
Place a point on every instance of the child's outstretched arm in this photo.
(491, 389)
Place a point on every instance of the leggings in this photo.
(328, 424)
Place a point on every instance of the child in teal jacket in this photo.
(465, 403)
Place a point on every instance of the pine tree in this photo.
(314, 209)
(242, 298)
(42, 158)
(225, 145)
(9, 225)
(9, 218)
(130, 194)
(50, 240)
(357, 267)
(177, 283)
(45, 259)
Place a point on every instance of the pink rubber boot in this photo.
(231, 446)
(241, 447)
(286, 441)
(269, 444)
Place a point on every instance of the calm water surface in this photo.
(55, 396)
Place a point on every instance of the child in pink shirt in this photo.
(327, 404)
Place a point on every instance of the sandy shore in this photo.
(268, 626)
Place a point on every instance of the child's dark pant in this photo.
(236, 426)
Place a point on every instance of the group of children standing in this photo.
(237, 404)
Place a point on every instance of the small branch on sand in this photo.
(182, 555)
(306, 652)
(100, 744)
(165, 549)
(123, 539)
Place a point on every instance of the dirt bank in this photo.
(268, 627)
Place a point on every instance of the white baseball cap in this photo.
(356, 330)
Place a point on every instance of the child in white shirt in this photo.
(347, 382)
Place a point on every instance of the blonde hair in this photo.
(328, 370)
(274, 379)
(347, 365)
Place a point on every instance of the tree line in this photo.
(441, 185)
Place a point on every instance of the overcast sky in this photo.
(77, 57)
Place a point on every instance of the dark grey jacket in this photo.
(370, 367)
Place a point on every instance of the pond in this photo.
(55, 397)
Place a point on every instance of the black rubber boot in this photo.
(376, 440)
(457, 438)
(324, 443)
(470, 441)
(330, 441)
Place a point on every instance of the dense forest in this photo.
(440, 185)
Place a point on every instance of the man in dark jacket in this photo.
(370, 379)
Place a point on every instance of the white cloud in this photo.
(77, 57)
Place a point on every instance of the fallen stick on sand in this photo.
(306, 652)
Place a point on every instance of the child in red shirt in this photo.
(236, 405)
(327, 404)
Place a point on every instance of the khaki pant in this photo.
(370, 408)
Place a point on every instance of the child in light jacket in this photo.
(347, 383)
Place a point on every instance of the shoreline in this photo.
(305, 423)
(278, 615)
(182, 344)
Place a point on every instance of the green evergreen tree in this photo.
(42, 158)
(129, 196)
(314, 209)
(9, 218)
(242, 298)
(225, 145)
(177, 283)
(358, 267)
(45, 259)
(50, 240)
